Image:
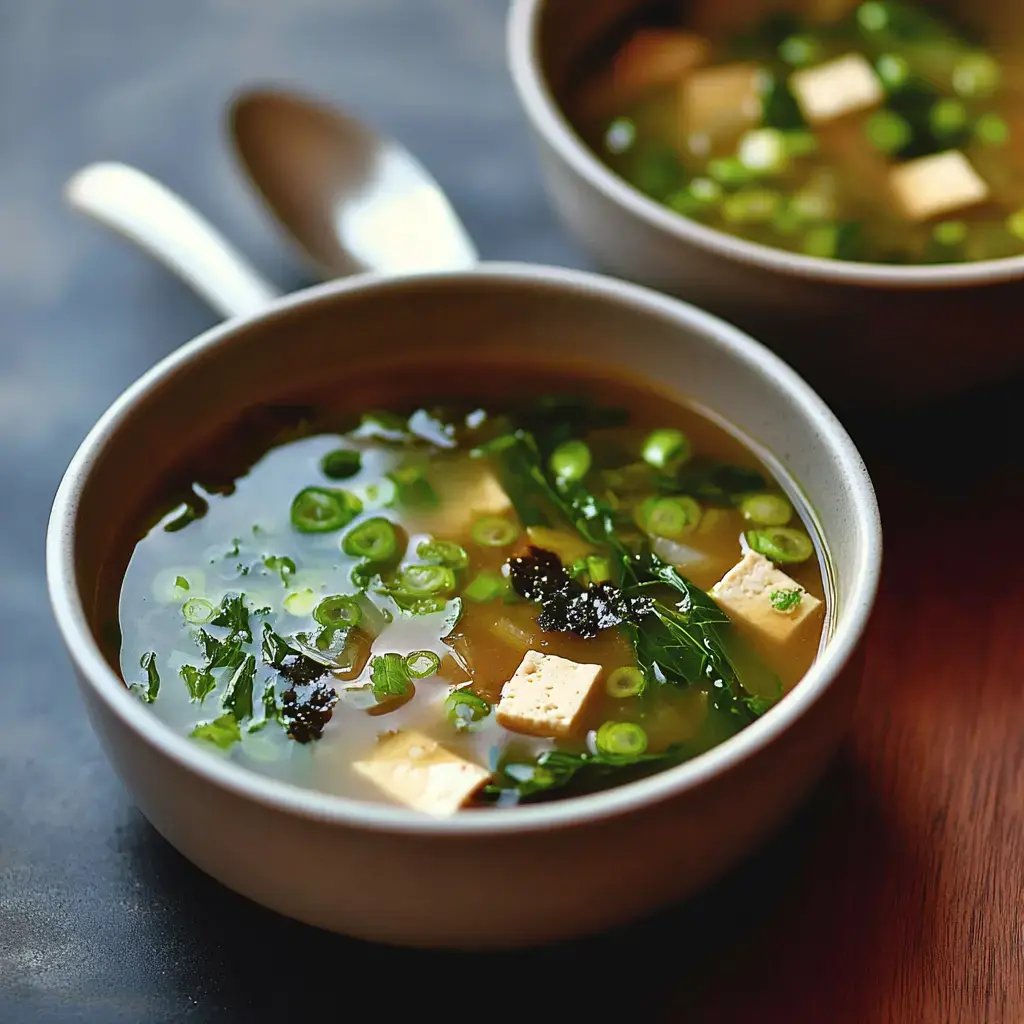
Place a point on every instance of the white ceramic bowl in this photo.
(862, 334)
(545, 872)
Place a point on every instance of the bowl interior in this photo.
(566, 30)
(347, 330)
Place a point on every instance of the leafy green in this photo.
(234, 616)
(389, 674)
(282, 565)
(516, 780)
(554, 419)
(222, 732)
(152, 685)
(200, 682)
(238, 692)
(712, 481)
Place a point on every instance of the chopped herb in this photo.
(238, 692)
(389, 674)
(234, 616)
(785, 600)
(200, 682)
(222, 732)
(282, 565)
(181, 583)
(152, 686)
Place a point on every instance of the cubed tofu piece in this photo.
(420, 773)
(841, 87)
(722, 101)
(546, 696)
(936, 185)
(653, 58)
(466, 500)
(756, 593)
(488, 498)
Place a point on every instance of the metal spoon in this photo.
(351, 199)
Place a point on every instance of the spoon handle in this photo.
(133, 205)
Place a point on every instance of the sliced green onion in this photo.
(887, 131)
(947, 119)
(494, 531)
(381, 493)
(570, 460)
(625, 682)
(766, 509)
(424, 580)
(949, 233)
(893, 70)
(668, 517)
(872, 16)
(319, 510)
(598, 568)
(751, 206)
(729, 172)
(976, 75)
(781, 544)
(463, 708)
(181, 583)
(799, 51)
(1015, 224)
(197, 611)
(422, 664)
(698, 197)
(282, 565)
(338, 611)
(341, 464)
(443, 552)
(622, 739)
(620, 136)
(763, 151)
(800, 142)
(375, 540)
(300, 602)
(992, 130)
(665, 446)
(486, 586)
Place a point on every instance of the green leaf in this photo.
(784, 600)
(390, 676)
(222, 732)
(712, 481)
(238, 692)
(152, 686)
(200, 682)
(234, 616)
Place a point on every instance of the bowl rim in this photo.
(108, 687)
(523, 28)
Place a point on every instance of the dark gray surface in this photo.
(100, 920)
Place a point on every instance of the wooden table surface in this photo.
(895, 895)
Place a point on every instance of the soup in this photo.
(878, 131)
(470, 603)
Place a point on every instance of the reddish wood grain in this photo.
(897, 895)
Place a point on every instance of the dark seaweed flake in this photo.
(305, 715)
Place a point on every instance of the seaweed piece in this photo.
(305, 715)
(566, 605)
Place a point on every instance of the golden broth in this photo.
(249, 477)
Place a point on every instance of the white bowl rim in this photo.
(109, 688)
(523, 32)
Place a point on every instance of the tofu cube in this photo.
(721, 101)
(934, 185)
(756, 593)
(488, 497)
(546, 695)
(653, 58)
(418, 772)
(656, 57)
(468, 499)
(843, 86)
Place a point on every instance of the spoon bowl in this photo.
(354, 200)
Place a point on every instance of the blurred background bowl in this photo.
(865, 335)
